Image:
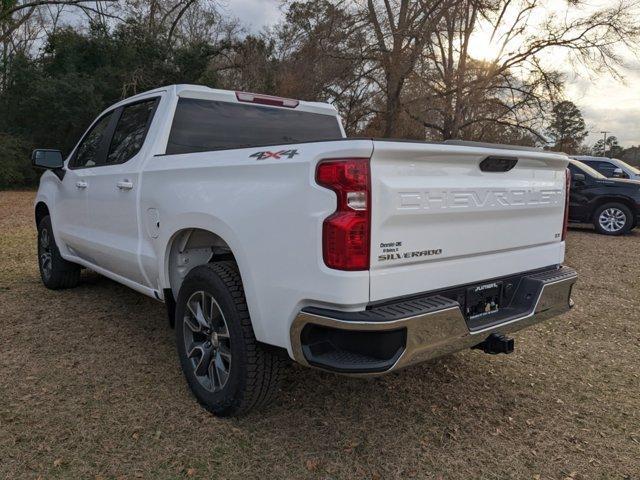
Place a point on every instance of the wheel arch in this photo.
(41, 210)
(611, 199)
(197, 235)
(190, 247)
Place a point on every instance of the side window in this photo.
(592, 164)
(573, 169)
(130, 132)
(606, 168)
(88, 152)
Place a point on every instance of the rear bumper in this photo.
(388, 337)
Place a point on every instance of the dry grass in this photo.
(90, 388)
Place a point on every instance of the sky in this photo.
(254, 13)
(606, 103)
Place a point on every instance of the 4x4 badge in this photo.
(276, 155)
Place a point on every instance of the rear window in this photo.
(204, 125)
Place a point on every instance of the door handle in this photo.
(125, 185)
(81, 184)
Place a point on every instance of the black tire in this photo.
(253, 372)
(622, 219)
(56, 272)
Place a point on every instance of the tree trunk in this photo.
(393, 106)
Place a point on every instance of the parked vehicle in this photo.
(265, 231)
(612, 205)
(610, 167)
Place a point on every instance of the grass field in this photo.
(90, 387)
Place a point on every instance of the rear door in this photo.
(112, 197)
(445, 215)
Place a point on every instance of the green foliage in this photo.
(49, 100)
(631, 155)
(610, 148)
(15, 169)
(567, 129)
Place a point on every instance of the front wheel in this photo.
(56, 272)
(613, 219)
(227, 369)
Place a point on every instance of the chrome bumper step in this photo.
(394, 335)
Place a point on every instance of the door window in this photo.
(605, 168)
(88, 152)
(131, 130)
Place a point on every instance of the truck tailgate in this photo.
(438, 220)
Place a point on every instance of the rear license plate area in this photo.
(483, 300)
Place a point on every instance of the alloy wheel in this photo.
(612, 220)
(45, 253)
(207, 342)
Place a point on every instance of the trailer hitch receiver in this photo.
(496, 343)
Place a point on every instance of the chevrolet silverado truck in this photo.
(270, 235)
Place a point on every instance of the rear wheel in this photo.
(613, 219)
(227, 369)
(56, 272)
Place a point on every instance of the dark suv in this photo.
(612, 205)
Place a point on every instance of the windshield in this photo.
(592, 172)
(632, 169)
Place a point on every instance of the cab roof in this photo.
(257, 99)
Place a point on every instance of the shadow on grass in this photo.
(322, 404)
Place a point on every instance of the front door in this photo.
(70, 217)
(70, 213)
(112, 200)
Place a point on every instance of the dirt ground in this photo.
(90, 387)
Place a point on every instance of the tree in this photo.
(100, 66)
(609, 148)
(15, 13)
(567, 129)
(453, 92)
(320, 55)
(15, 171)
(402, 30)
(631, 155)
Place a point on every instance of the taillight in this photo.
(266, 100)
(567, 182)
(346, 233)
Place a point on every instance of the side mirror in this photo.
(47, 159)
(578, 177)
(619, 173)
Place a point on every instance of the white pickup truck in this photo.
(265, 230)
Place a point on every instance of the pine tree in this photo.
(567, 129)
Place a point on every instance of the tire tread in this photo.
(64, 274)
(263, 368)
